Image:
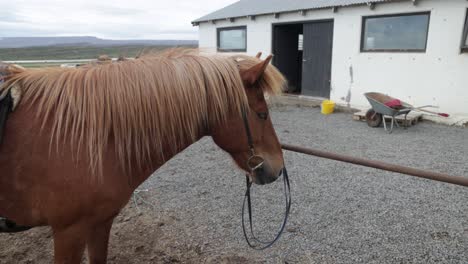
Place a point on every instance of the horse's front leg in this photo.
(98, 241)
(69, 243)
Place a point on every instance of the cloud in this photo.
(135, 19)
(8, 17)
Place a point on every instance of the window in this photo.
(464, 44)
(232, 39)
(404, 32)
(300, 42)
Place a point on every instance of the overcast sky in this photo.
(112, 19)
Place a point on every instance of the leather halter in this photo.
(255, 162)
(259, 244)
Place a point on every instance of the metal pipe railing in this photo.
(435, 176)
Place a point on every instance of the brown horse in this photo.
(82, 140)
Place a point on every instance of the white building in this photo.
(415, 50)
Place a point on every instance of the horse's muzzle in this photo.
(264, 174)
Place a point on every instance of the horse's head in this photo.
(250, 138)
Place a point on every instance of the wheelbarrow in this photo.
(384, 106)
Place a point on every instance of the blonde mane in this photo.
(141, 106)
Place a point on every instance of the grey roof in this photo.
(245, 8)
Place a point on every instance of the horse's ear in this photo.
(252, 75)
(259, 54)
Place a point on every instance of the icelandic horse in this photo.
(81, 140)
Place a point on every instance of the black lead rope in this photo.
(259, 244)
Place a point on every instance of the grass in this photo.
(72, 52)
(39, 65)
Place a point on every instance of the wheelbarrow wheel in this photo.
(373, 119)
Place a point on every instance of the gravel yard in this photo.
(189, 211)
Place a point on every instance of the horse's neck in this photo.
(170, 149)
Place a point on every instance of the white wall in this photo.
(438, 77)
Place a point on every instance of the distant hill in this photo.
(22, 42)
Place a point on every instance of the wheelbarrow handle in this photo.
(425, 106)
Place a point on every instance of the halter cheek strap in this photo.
(248, 132)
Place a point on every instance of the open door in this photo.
(287, 54)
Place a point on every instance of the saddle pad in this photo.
(15, 91)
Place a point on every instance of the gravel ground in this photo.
(189, 211)
(341, 213)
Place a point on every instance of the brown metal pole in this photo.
(458, 180)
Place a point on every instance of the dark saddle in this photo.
(6, 102)
(6, 106)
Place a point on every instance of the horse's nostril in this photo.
(259, 170)
(255, 162)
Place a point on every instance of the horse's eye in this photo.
(262, 115)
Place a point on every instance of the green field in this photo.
(72, 52)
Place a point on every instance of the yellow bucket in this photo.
(327, 107)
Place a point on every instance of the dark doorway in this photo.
(287, 48)
(303, 53)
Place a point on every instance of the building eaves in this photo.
(252, 8)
